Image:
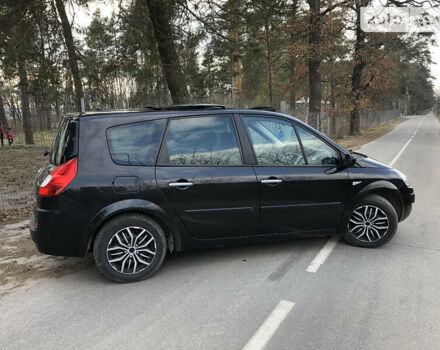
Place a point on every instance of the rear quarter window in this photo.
(65, 144)
(136, 143)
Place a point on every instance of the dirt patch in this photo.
(20, 261)
(356, 142)
(15, 215)
(18, 167)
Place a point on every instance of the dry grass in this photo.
(356, 142)
(41, 138)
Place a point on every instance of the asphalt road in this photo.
(386, 298)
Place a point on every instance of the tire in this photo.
(129, 248)
(372, 223)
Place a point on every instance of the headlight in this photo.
(403, 177)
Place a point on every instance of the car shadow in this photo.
(188, 262)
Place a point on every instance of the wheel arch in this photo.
(135, 206)
(384, 189)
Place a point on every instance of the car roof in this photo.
(170, 113)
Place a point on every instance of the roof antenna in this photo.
(83, 106)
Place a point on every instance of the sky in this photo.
(83, 17)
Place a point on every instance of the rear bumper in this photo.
(56, 234)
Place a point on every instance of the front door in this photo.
(301, 191)
(200, 171)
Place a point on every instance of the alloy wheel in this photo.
(131, 250)
(368, 223)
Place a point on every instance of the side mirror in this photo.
(347, 161)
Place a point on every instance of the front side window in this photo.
(275, 142)
(317, 151)
(136, 143)
(201, 141)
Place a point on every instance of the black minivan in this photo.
(130, 186)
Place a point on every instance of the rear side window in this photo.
(65, 144)
(201, 141)
(136, 143)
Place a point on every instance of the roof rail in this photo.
(153, 108)
(183, 107)
(264, 108)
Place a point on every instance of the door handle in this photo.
(180, 184)
(271, 181)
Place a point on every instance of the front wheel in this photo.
(129, 248)
(373, 222)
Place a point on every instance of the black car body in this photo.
(203, 197)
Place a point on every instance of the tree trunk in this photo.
(292, 71)
(39, 109)
(68, 38)
(3, 120)
(24, 85)
(292, 58)
(332, 120)
(57, 106)
(45, 107)
(48, 112)
(314, 62)
(160, 12)
(236, 57)
(12, 108)
(356, 78)
(268, 61)
(333, 130)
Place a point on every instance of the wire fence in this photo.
(19, 163)
(368, 120)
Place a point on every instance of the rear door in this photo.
(301, 189)
(201, 172)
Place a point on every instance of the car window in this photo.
(275, 142)
(202, 141)
(65, 144)
(59, 143)
(317, 151)
(136, 143)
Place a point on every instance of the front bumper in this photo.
(408, 198)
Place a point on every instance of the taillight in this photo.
(59, 178)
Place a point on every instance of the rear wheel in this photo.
(373, 222)
(129, 248)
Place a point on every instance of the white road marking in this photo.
(323, 254)
(406, 144)
(270, 326)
